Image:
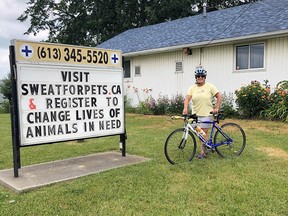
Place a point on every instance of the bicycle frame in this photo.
(209, 143)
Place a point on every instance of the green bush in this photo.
(5, 107)
(253, 99)
(143, 108)
(127, 104)
(279, 103)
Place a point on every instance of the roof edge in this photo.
(207, 43)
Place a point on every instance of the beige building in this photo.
(235, 45)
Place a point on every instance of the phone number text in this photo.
(77, 55)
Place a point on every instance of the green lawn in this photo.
(253, 184)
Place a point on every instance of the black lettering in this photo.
(60, 130)
(24, 89)
(67, 129)
(29, 133)
(51, 130)
(38, 131)
(43, 89)
(48, 103)
(34, 88)
(87, 89)
(74, 128)
(109, 124)
(57, 103)
(116, 89)
(76, 76)
(37, 117)
(29, 119)
(101, 125)
(89, 126)
(101, 114)
(65, 76)
(45, 117)
(53, 116)
(93, 102)
(50, 90)
(105, 91)
(86, 76)
(80, 90)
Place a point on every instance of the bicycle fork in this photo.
(184, 139)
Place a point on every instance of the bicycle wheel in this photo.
(177, 150)
(233, 140)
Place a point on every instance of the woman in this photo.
(202, 94)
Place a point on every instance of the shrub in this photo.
(279, 100)
(159, 106)
(162, 106)
(227, 105)
(143, 108)
(149, 105)
(253, 99)
(176, 104)
(5, 107)
(127, 104)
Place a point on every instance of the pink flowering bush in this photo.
(162, 106)
(176, 104)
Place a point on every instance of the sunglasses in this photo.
(198, 76)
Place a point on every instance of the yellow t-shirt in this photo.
(202, 98)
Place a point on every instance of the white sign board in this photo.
(68, 93)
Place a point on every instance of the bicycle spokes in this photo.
(230, 140)
(180, 146)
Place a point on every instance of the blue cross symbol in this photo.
(114, 58)
(26, 51)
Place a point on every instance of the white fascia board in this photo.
(208, 43)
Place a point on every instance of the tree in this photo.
(221, 4)
(6, 87)
(91, 22)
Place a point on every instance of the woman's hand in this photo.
(215, 110)
(185, 111)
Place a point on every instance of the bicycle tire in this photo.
(236, 147)
(178, 152)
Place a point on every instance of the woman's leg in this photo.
(201, 143)
(205, 127)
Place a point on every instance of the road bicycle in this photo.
(228, 140)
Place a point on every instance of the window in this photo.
(250, 56)
(137, 71)
(179, 67)
(127, 69)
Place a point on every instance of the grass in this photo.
(253, 184)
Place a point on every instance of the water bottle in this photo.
(200, 131)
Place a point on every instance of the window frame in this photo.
(127, 79)
(249, 56)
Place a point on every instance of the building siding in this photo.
(158, 70)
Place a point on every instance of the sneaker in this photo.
(201, 156)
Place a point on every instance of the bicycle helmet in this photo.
(200, 71)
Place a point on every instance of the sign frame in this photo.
(34, 110)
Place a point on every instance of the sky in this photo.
(11, 28)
